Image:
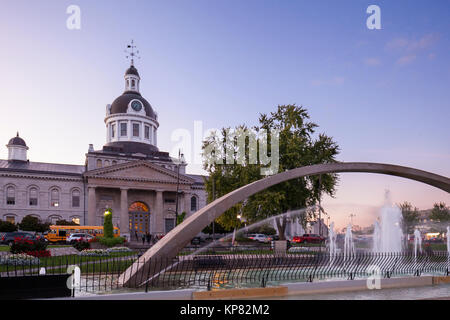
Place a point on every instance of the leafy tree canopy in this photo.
(298, 146)
(31, 223)
(440, 212)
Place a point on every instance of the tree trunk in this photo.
(281, 226)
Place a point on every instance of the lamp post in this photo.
(180, 160)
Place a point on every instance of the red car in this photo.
(308, 238)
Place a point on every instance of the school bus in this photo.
(60, 233)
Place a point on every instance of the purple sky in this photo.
(382, 94)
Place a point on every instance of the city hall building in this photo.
(129, 174)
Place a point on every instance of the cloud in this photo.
(336, 81)
(410, 48)
(406, 59)
(372, 62)
(413, 45)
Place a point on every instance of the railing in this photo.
(101, 274)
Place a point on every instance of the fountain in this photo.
(376, 237)
(332, 240)
(349, 246)
(448, 240)
(417, 242)
(389, 235)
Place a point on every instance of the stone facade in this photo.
(129, 174)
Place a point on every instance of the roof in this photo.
(17, 141)
(41, 167)
(120, 105)
(199, 179)
(132, 70)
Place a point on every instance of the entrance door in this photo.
(139, 219)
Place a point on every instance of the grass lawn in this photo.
(52, 262)
(4, 248)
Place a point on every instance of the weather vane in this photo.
(131, 53)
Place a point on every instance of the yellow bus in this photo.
(60, 233)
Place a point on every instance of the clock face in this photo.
(136, 105)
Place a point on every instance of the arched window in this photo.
(33, 198)
(114, 162)
(133, 83)
(54, 197)
(10, 196)
(75, 198)
(106, 163)
(193, 203)
(99, 163)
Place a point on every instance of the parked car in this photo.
(259, 237)
(308, 238)
(78, 237)
(197, 240)
(8, 237)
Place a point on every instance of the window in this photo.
(136, 129)
(169, 200)
(76, 198)
(33, 197)
(106, 163)
(114, 162)
(170, 224)
(194, 203)
(113, 130)
(11, 219)
(54, 198)
(133, 83)
(10, 196)
(99, 163)
(147, 132)
(123, 129)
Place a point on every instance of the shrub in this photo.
(108, 229)
(81, 245)
(111, 242)
(22, 245)
(30, 223)
(6, 226)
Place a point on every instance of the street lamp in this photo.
(180, 161)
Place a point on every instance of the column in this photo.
(159, 207)
(187, 204)
(92, 206)
(124, 220)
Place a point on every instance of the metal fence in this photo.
(101, 274)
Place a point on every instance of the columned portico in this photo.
(92, 206)
(124, 219)
(187, 203)
(159, 207)
(141, 195)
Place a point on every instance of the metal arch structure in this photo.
(178, 237)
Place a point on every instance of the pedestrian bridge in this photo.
(180, 236)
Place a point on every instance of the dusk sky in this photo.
(383, 95)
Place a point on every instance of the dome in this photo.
(132, 70)
(120, 105)
(17, 141)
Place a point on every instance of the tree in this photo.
(440, 212)
(31, 223)
(66, 223)
(297, 148)
(411, 217)
(6, 226)
(180, 217)
(108, 228)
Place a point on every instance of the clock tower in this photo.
(131, 122)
